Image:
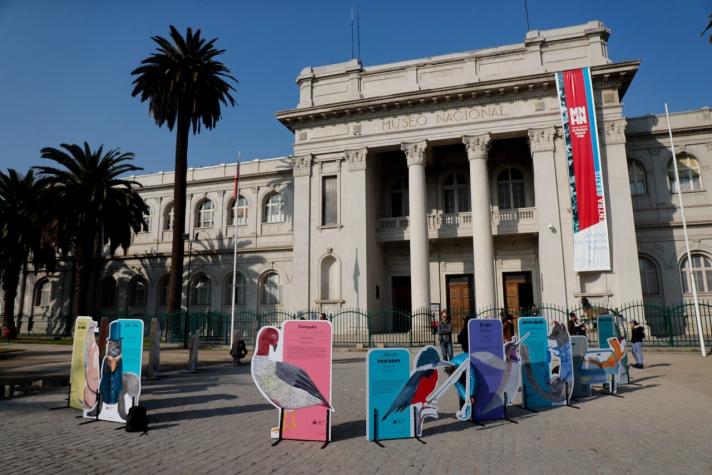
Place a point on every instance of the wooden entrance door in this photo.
(460, 298)
(518, 291)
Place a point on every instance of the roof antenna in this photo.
(526, 12)
(352, 33)
(358, 34)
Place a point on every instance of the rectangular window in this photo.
(329, 203)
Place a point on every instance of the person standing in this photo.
(445, 334)
(508, 327)
(637, 337)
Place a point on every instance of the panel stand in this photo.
(524, 404)
(281, 425)
(415, 425)
(506, 416)
(375, 428)
(612, 386)
(328, 427)
(69, 392)
(568, 399)
(98, 410)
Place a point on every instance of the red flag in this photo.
(237, 179)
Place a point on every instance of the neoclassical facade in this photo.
(440, 180)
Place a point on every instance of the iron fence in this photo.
(666, 326)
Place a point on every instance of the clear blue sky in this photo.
(64, 65)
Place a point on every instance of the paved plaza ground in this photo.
(216, 421)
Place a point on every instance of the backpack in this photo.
(137, 420)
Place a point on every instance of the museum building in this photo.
(439, 180)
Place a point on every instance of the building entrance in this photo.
(460, 298)
(518, 291)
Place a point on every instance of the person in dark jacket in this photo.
(463, 336)
(508, 327)
(637, 337)
(445, 334)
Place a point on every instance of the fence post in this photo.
(668, 320)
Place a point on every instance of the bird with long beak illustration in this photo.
(421, 384)
(286, 386)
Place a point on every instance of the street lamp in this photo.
(186, 236)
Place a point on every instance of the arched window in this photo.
(201, 290)
(329, 278)
(204, 215)
(240, 286)
(270, 289)
(146, 225)
(168, 221)
(689, 170)
(636, 177)
(108, 292)
(510, 189)
(43, 293)
(399, 197)
(241, 211)
(701, 269)
(456, 194)
(648, 276)
(138, 290)
(163, 291)
(274, 209)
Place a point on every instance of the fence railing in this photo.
(665, 326)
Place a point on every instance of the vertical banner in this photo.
(588, 203)
(579, 347)
(486, 347)
(120, 383)
(535, 361)
(77, 372)
(387, 372)
(307, 345)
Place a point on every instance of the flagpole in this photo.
(693, 282)
(236, 198)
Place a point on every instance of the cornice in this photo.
(615, 75)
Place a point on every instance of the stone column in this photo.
(547, 199)
(416, 154)
(354, 201)
(624, 278)
(483, 247)
(301, 166)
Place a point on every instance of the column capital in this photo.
(477, 146)
(356, 159)
(301, 165)
(415, 153)
(614, 131)
(542, 140)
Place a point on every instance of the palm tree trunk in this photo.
(82, 257)
(175, 285)
(10, 280)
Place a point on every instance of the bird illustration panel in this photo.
(77, 374)
(387, 372)
(609, 327)
(486, 347)
(291, 368)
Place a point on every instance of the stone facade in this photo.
(440, 180)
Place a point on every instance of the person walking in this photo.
(463, 336)
(637, 337)
(445, 334)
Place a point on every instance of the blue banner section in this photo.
(535, 361)
(486, 346)
(131, 332)
(387, 372)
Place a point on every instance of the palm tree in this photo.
(98, 207)
(24, 222)
(185, 86)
